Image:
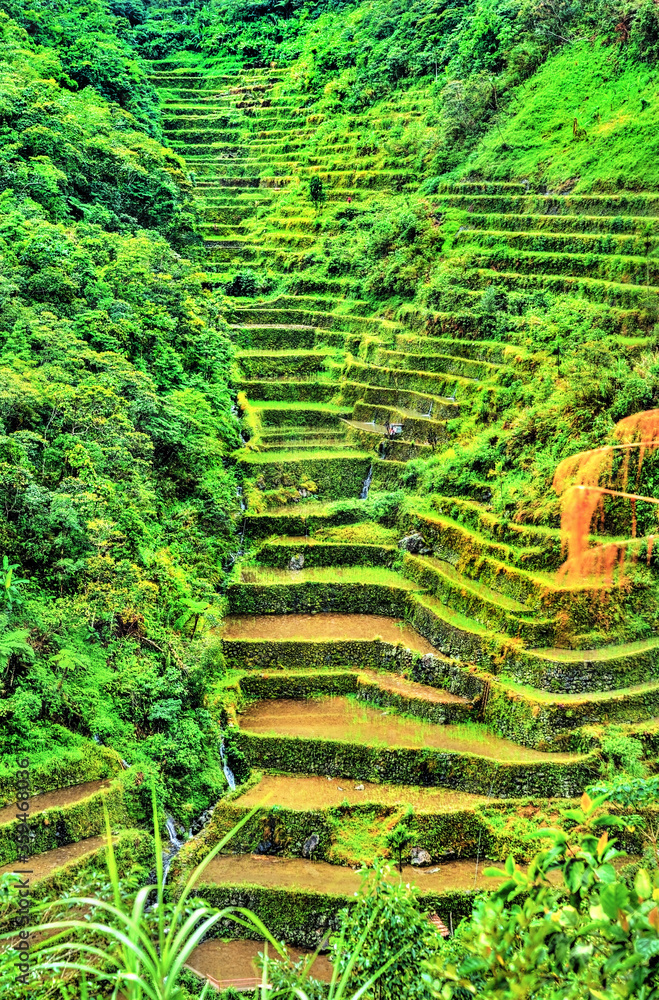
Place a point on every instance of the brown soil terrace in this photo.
(45, 864)
(400, 685)
(324, 628)
(232, 963)
(52, 800)
(321, 877)
(304, 792)
(393, 683)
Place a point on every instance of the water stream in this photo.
(228, 773)
(367, 484)
(175, 845)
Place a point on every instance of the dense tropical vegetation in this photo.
(116, 399)
(116, 409)
(129, 447)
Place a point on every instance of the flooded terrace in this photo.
(340, 718)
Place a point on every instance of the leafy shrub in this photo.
(248, 284)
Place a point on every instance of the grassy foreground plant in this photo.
(395, 938)
(139, 952)
(136, 952)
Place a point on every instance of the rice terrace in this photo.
(329, 499)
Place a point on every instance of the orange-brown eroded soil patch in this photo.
(324, 628)
(342, 719)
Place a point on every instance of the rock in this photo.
(413, 543)
(310, 845)
(297, 562)
(199, 822)
(359, 788)
(420, 857)
(264, 847)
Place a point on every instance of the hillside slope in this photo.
(413, 249)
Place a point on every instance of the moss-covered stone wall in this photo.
(89, 762)
(421, 766)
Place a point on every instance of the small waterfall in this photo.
(175, 845)
(228, 773)
(367, 485)
(170, 826)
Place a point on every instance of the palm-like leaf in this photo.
(13, 644)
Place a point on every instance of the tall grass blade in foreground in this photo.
(139, 952)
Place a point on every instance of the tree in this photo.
(193, 610)
(68, 661)
(13, 643)
(401, 837)
(10, 585)
(14, 650)
(583, 934)
(316, 191)
(400, 935)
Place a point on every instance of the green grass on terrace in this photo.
(573, 698)
(456, 619)
(264, 404)
(445, 569)
(325, 574)
(601, 653)
(258, 458)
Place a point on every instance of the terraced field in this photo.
(387, 648)
(337, 400)
(485, 663)
(324, 379)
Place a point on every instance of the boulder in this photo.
(414, 543)
(310, 845)
(420, 857)
(199, 822)
(297, 562)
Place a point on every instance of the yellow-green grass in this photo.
(325, 574)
